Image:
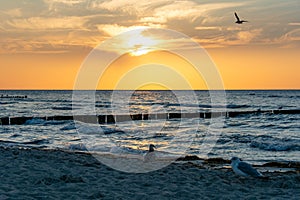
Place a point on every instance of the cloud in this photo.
(42, 23)
(233, 28)
(88, 22)
(207, 28)
(16, 12)
(68, 2)
(115, 29)
(230, 37)
(128, 6)
(53, 3)
(293, 35)
(294, 24)
(162, 11)
(187, 10)
(154, 19)
(248, 36)
(45, 44)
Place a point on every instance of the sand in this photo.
(44, 174)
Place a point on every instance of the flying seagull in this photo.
(150, 154)
(238, 21)
(243, 168)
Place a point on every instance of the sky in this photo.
(44, 43)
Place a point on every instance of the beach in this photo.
(45, 154)
(149, 100)
(55, 174)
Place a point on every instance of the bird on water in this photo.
(150, 154)
(151, 148)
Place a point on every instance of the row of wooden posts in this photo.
(111, 119)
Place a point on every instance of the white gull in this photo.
(243, 168)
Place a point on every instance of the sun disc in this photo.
(139, 51)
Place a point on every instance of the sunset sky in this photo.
(43, 43)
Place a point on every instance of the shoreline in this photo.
(218, 162)
(54, 174)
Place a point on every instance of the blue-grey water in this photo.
(258, 137)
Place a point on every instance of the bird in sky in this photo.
(238, 21)
(244, 169)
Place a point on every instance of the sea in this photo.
(257, 132)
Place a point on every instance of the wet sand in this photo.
(45, 174)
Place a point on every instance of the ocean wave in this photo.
(267, 126)
(84, 128)
(68, 127)
(7, 143)
(125, 150)
(37, 142)
(50, 100)
(15, 135)
(204, 106)
(8, 102)
(233, 106)
(78, 147)
(237, 106)
(242, 138)
(55, 122)
(35, 121)
(274, 96)
(233, 124)
(33, 142)
(263, 142)
(62, 108)
(61, 101)
(108, 130)
(152, 104)
(102, 105)
(294, 96)
(223, 141)
(103, 102)
(281, 145)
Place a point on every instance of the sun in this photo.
(139, 44)
(140, 50)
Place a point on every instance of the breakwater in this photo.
(111, 119)
(2, 96)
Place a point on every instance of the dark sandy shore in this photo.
(41, 174)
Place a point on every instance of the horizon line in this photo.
(242, 89)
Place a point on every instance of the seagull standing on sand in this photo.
(150, 154)
(238, 21)
(243, 168)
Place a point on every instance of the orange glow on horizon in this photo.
(156, 70)
(44, 44)
(240, 68)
